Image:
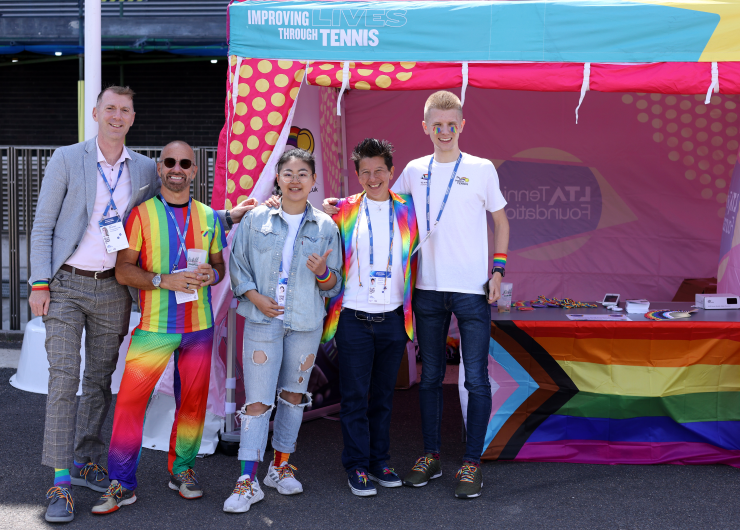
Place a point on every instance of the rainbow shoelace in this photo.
(244, 487)
(62, 493)
(286, 470)
(467, 472)
(362, 477)
(422, 464)
(114, 490)
(99, 471)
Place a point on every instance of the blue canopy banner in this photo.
(560, 31)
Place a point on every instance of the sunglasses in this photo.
(170, 163)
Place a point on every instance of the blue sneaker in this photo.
(61, 507)
(90, 476)
(385, 476)
(360, 484)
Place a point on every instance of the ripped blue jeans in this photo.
(275, 359)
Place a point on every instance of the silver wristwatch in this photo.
(157, 280)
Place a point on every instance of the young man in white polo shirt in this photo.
(452, 193)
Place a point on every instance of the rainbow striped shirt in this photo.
(151, 232)
(346, 219)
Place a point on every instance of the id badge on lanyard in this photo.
(379, 291)
(111, 228)
(282, 291)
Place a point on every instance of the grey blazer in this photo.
(66, 203)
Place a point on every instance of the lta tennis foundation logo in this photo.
(552, 198)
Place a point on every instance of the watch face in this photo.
(156, 280)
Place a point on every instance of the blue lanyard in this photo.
(180, 235)
(390, 233)
(296, 236)
(447, 193)
(111, 204)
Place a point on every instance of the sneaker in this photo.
(283, 479)
(115, 497)
(470, 481)
(245, 494)
(360, 484)
(385, 476)
(187, 484)
(61, 509)
(90, 476)
(426, 468)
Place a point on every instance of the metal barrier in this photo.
(22, 170)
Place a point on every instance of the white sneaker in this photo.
(283, 479)
(245, 494)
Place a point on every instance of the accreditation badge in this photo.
(282, 291)
(114, 235)
(379, 291)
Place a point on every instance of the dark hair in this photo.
(120, 90)
(370, 148)
(299, 154)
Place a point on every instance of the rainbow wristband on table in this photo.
(324, 277)
(215, 273)
(41, 285)
(499, 260)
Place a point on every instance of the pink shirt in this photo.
(91, 254)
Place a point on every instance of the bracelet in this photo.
(324, 277)
(215, 272)
(41, 285)
(499, 260)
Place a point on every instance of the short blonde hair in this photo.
(442, 100)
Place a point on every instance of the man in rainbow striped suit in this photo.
(371, 315)
(167, 234)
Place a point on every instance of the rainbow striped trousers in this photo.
(146, 360)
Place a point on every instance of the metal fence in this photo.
(22, 171)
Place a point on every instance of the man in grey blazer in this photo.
(85, 187)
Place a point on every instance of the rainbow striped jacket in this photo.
(346, 219)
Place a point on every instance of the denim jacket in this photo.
(256, 253)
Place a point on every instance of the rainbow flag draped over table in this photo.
(615, 392)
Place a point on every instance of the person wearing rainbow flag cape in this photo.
(371, 316)
(162, 234)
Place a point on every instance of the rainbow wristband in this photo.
(324, 277)
(41, 285)
(215, 272)
(499, 260)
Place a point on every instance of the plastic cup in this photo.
(504, 303)
(196, 256)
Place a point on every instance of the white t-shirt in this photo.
(455, 259)
(294, 223)
(356, 297)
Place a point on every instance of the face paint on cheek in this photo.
(453, 129)
(438, 130)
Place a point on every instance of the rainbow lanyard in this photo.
(447, 193)
(180, 235)
(296, 235)
(111, 203)
(391, 213)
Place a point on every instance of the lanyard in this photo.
(180, 235)
(296, 235)
(391, 212)
(111, 204)
(447, 193)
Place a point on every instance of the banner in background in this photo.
(573, 31)
(631, 200)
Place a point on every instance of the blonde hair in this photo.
(442, 100)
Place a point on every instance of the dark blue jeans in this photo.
(433, 311)
(369, 355)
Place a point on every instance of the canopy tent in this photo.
(640, 159)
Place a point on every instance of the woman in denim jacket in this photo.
(284, 263)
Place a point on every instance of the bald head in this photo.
(177, 146)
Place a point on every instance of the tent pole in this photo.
(343, 127)
(93, 54)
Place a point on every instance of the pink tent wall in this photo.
(647, 176)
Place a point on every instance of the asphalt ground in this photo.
(515, 495)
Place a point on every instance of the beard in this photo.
(176, 186)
